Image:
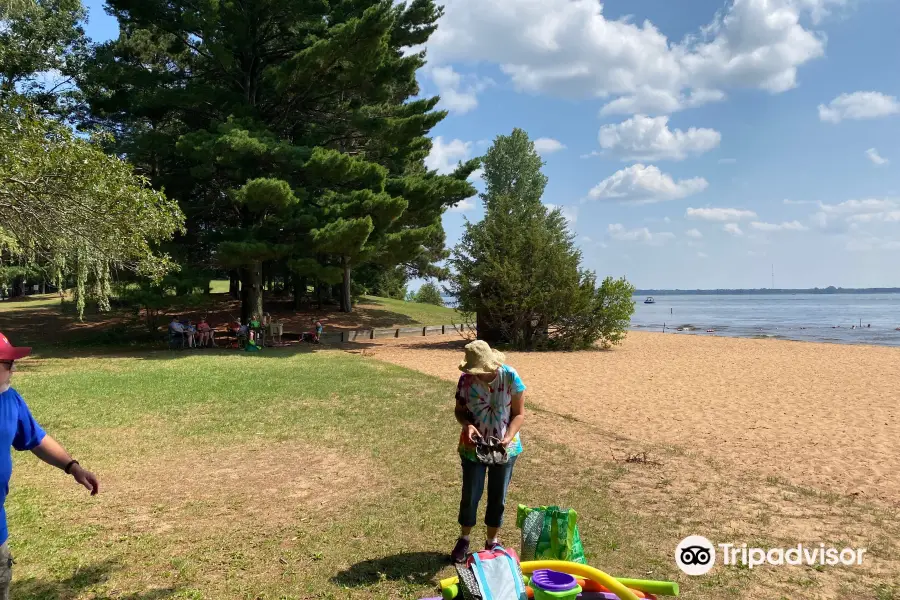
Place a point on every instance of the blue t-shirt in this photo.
(18, 430)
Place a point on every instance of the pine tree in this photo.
(318, 94)
(519, 271)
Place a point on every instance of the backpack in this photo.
(492, 575)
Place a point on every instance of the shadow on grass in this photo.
(376, 318)
(81, 581)
(160, 352)
(419, 568)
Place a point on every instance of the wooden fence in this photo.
(359, 335)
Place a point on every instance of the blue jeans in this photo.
(473, 476)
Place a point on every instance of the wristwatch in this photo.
(70, 465)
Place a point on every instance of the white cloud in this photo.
(586, 239)
(693, 233)
(455, 96)
(733, 229)
(463, 206)
(645, 184)
(876, 158)
(702, 255)
(786, 226)
(719, 214)
(837, 217)
(570, 213)
(857, 207)
(618, 232)
(569, 48)
(649, 138)
(444, 157)
(859, 105)
(548, 146)
(891, 216)
(727, 161)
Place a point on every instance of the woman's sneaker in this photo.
(460, 551)
(492, 545)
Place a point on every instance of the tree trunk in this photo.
(234, 285)
(18, 288)
(252, 292)
(299, 291)
(345, 288)
(245, 295)
(43, 286)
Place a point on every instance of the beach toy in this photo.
(450, 592)
(554, 585)
(662, 588)
(602, 596)
(587, 572)
(588, 586)
(595, 581)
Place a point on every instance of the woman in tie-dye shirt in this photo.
(489, 404)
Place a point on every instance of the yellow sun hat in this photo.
(481, 359)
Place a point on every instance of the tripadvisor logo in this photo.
(696, 555)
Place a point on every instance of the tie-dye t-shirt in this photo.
(488, 406)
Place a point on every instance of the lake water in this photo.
(805, 317)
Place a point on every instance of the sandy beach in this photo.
(818, 415)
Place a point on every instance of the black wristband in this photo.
(69, 466)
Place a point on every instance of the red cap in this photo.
(10, 352)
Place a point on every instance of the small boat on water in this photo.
(650, 300)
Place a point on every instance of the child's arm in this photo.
(516, 417)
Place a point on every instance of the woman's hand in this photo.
(472, 433)
(507, 441)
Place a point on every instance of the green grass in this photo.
(423, 314)
(271, 476)
(219, 286)
(323, 474)
(30, 303)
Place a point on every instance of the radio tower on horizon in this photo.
(773, 276)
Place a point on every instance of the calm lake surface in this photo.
(831, 318)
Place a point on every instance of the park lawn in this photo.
(30, 303)
(423, 314)
(272, 476)
(42, 321)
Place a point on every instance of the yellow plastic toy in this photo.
(571, 568)
(581, 570)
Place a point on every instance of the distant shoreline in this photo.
(766, 292)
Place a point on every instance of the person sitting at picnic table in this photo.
(176, 330)
(190, 330)
(242, 332)
(255, 327)
(314, 336)
(207, 335)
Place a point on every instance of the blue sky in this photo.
(693, 144)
